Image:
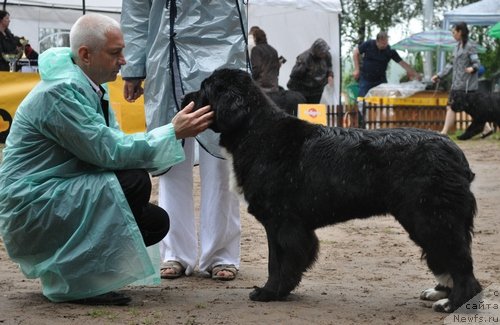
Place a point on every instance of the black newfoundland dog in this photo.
(297, 177)
(482, 107)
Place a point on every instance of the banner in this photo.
(14, 86)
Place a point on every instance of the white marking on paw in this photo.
(445, 280)
(442, 306)
(433, 294)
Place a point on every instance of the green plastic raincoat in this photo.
(63, 215)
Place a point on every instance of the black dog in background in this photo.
(482, 107)
(297, 177)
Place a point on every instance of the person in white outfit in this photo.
(173, 46)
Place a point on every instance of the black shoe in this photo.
(108, 299)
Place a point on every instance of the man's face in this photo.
(105, 63)
(382, 43)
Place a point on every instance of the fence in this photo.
(392, 116)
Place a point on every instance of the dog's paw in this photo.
(433, 295)
(442, 306)
(262, 294)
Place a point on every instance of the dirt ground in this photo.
(368, 272)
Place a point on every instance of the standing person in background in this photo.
(265, 71)
(265, 63)
(251, 38)
(174, 45)
(312, 71)
(9, 44)
(371, 59)
(465, 66)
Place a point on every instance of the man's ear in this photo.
(84, 54)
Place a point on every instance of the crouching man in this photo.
(74, 189)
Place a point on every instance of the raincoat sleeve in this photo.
(77, 126)
(135, 26)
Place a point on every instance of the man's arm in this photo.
(412, 74)
(355, 60)
(134, 24)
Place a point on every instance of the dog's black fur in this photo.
(481, 106)
(297, 177)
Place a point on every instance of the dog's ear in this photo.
(189, 97)
(231, 109)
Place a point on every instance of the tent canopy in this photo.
(91, 5)
(292, 26)
(481, 13)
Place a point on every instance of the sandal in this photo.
(229, 269)
(487, 134)
(171, 265)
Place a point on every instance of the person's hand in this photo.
(132, 89)
(188, 123)
(414, 75)
(330, 81)
(355, 74)
(435, 78)
(469, 70)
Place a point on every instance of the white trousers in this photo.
(219, 229)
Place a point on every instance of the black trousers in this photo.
(152, 220)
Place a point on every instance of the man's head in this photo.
(320, 48)
(97, 47)
(382, 40)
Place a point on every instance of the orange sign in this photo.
(314, 113)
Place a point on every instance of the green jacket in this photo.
(63, 215)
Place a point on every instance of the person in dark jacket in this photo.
(312, 71)
(265, 62)
(265, 71)
(9, 44)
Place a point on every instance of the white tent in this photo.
(293, 25)
(481, 13)
(30, 17)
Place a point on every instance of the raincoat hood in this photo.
(56, 63)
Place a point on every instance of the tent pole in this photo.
(83, 6)
(4, 4)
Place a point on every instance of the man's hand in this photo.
(188, 123)
(132, 89)
(355, 74)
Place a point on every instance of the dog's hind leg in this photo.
(292, 250)
(449, 258)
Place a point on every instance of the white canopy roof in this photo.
(484, 12)
(333, 6)
(91, 5)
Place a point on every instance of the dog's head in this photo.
(460, 101)
(227, 91)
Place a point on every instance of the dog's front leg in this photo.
(292, 249)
